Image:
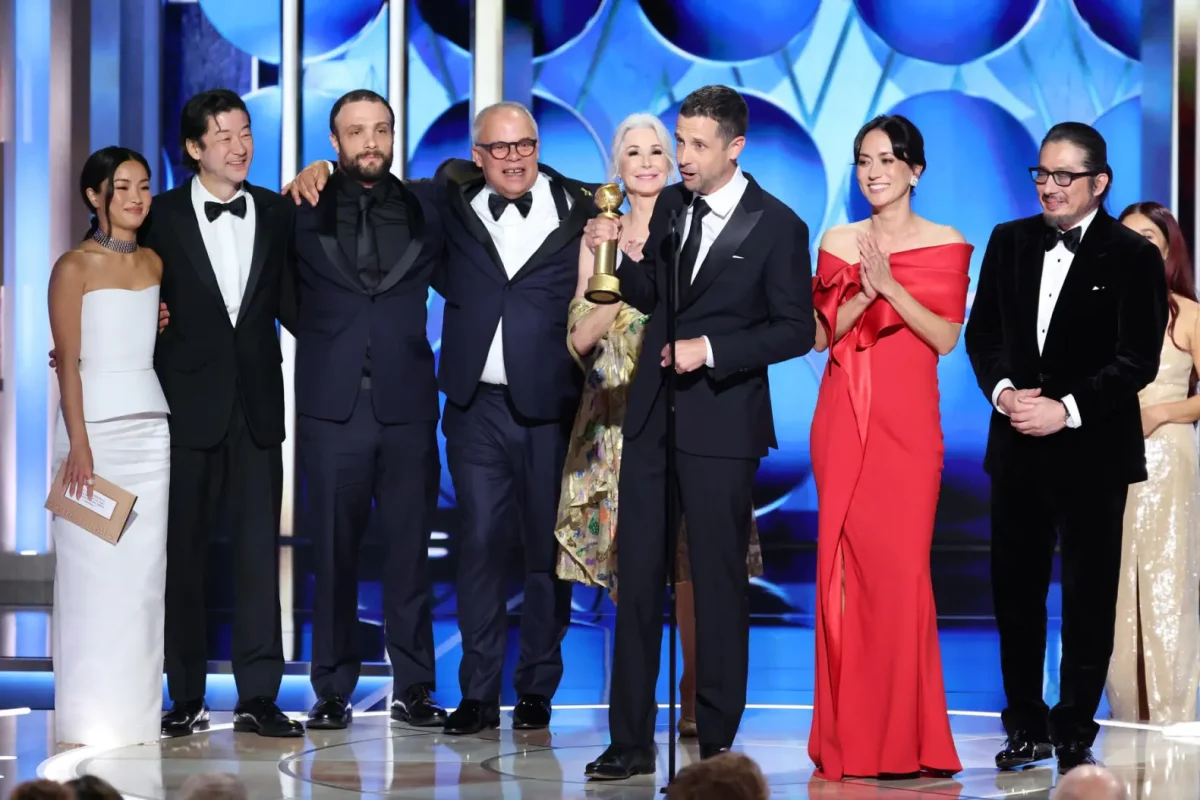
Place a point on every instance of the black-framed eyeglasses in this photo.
(1061, 176)
(525, 147)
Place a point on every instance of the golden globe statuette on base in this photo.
(603, 287)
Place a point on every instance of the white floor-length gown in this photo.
(107, 625)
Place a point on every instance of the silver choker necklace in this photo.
(116, 245)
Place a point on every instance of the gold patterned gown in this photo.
(587, 507)
(1158, 601)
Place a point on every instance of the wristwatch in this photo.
(1066, 414)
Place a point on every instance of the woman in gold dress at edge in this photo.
(605, 341)
(1155, 665)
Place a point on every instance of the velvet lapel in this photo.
(1031, 254)
(1091, 250)
(741, 222)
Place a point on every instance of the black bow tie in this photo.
(1070, 239)
(236, 207)
(497, 203)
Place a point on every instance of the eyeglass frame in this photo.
(508, 148)
(1071, 176)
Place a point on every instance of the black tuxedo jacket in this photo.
(752, 298)
(334, 317)
(543, 380)
(205, 362)
(1103, 346)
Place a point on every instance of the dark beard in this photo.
(360, 174)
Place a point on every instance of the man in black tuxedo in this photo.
(367, 407)
(512, 228)
(744, 302)
(1066, 328)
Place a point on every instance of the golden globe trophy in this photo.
(603, 287)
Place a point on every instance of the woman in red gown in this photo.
(880, 706)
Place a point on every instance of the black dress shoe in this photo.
(185, 718)
(1022, 748)
(532, 713)
(263, 717)
(418, 708)
(710, 750)
(471, 717)
(1072, 755)
(619, 762)
(330, 713)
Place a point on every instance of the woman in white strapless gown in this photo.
(107, 624)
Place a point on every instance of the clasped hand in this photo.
(1031, 414)
(690, 355)
(874, 269)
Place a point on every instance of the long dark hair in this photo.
(98, 171)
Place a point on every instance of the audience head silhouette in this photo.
(729, 776)
(1090, 782)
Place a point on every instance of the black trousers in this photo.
(713, 494)
(346, 466)
(1028, 517)
(507, 474)
(235, 488)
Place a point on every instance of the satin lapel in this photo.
(1031, 253)
(741, 222)
(1091, 250)
(470, 220)
(191, 242)
(567, 230)
(327, 236)
(416, 243)
(263, 220)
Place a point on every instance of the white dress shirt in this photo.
(229, 241)
(516, 238)
(1055, 266)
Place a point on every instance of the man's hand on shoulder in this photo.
(309, 183)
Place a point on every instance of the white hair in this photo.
(639, 122)
(505, 105)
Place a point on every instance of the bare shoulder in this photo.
(936, 234)
(71, 269)
(1189, 309)
(842, 240)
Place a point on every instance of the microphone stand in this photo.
(673, 516)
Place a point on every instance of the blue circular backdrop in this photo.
(555, 22)
(1121, 127)
(253, 27)
(946, 31)
(782, 157)
(1118, 22)
(265, 119)
(728, 31)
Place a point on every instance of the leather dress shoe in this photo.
(532, 713)
(185, 718)
(471, 717)
(1072, 755)
(418, 708)
(330, 713)
(709, 750)
(263, 717)
(1022, 748)
(619, 762)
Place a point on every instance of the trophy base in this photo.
(603, 289)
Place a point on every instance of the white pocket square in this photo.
(741, 257)
(1097, 288)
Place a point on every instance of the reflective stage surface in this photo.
(376, 757)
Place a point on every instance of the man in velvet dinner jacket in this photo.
(513, 229)
(360, 266)
(1066, 328)
(744, 303)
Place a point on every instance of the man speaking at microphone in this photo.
(744, 301)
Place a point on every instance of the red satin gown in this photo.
(880, 704)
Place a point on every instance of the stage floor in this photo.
(377, 757)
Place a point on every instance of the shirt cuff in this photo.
(1073, 420)
(332, 167)
(708, 359)
(1000, 387)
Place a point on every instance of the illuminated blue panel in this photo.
(31, 230)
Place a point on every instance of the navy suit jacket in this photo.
(543, 380)
(333, 317)
(752, 298)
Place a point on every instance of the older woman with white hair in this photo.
(606, 340)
